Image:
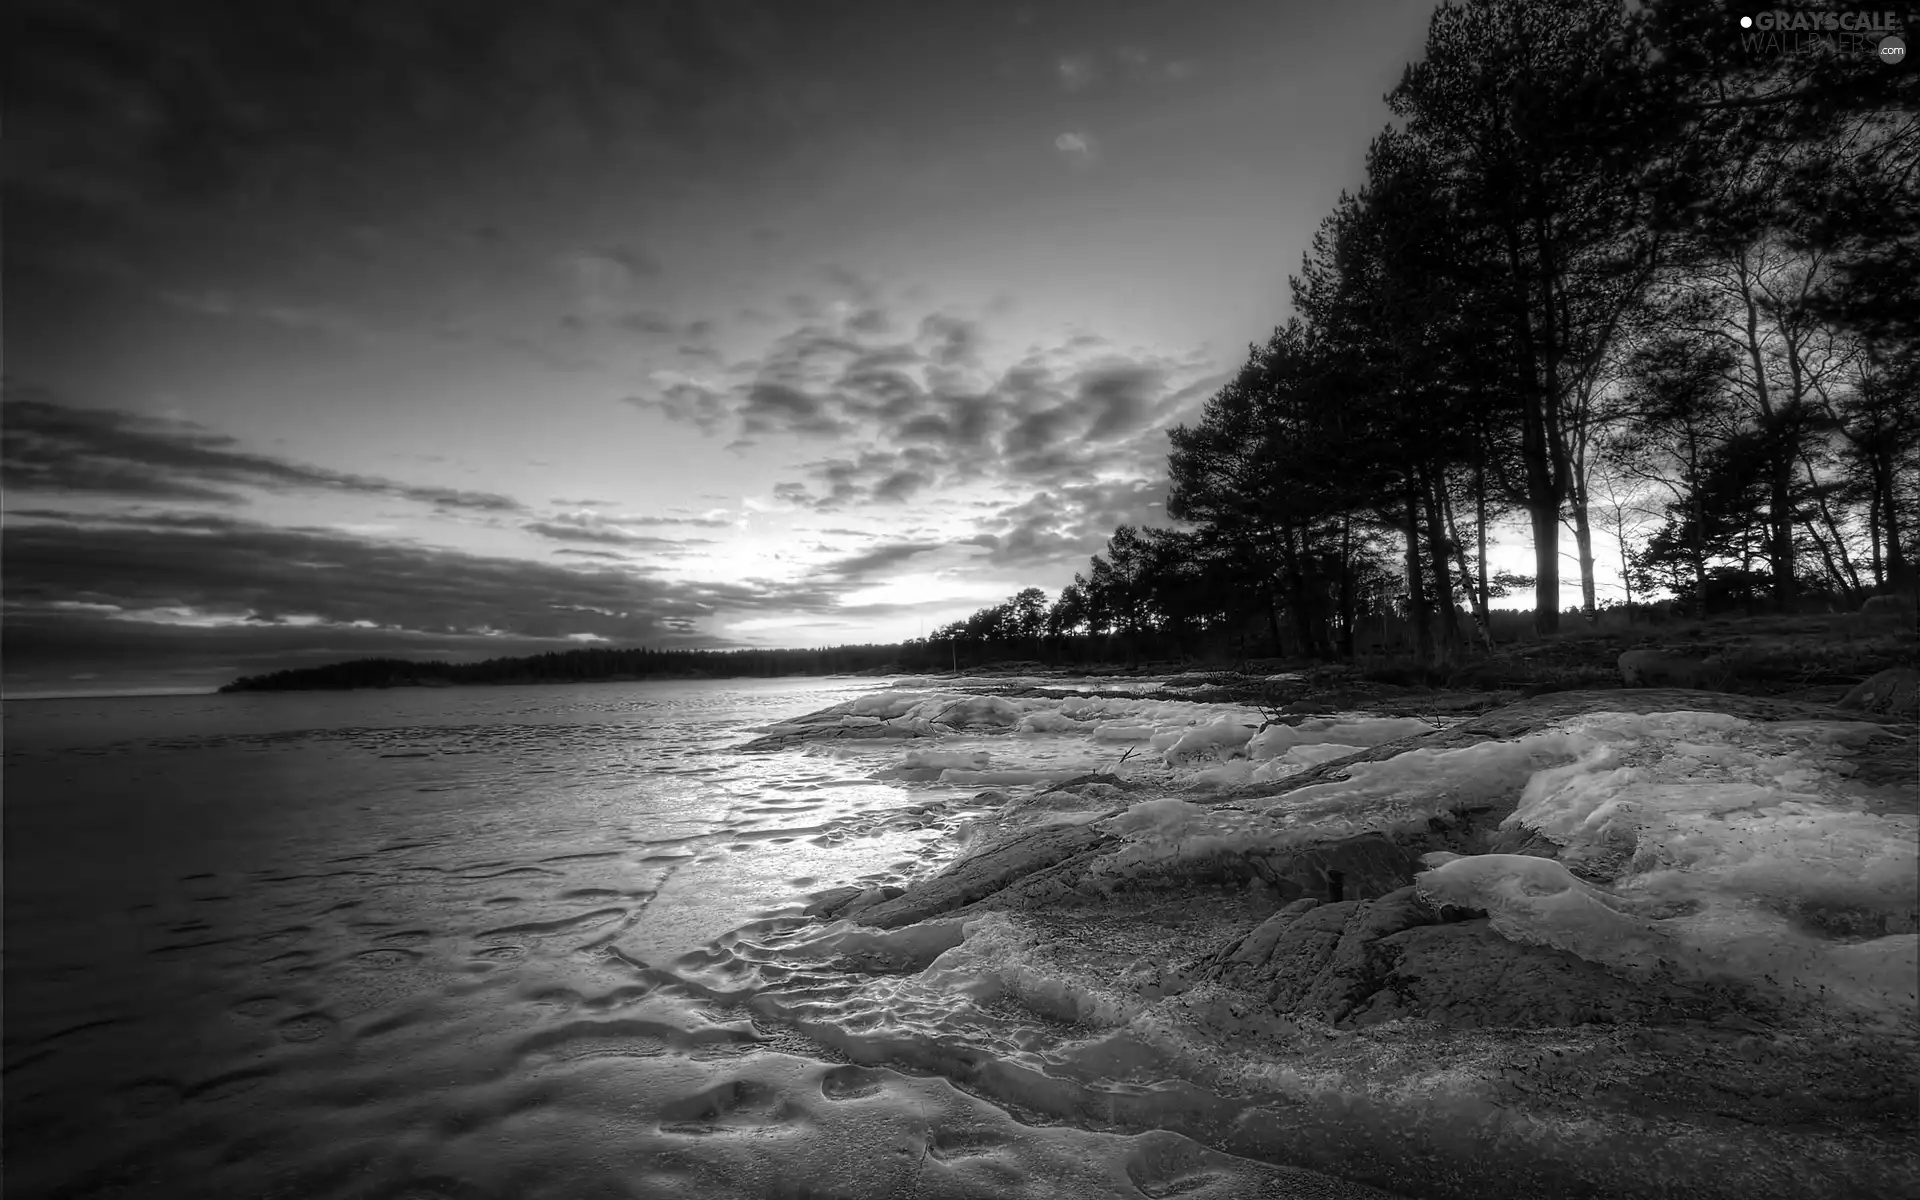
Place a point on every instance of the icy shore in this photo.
(1597, 943)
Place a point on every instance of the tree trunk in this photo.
(1449, 650)
(1297, 585)
(1780, 518)
(1416, 593)
(1582, 532)
(1898, 573)
(1346, 587)
(1480, 535)
(1698, 548)
(1477, 600)
(1583, 543)
(1873, 531)
(1851, 581)
(1546, 564)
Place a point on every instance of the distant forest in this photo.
(572, 666)
(1626, 268)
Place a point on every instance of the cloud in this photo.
(1076, 71)
(1064, 524)
(610, 531)
(955, 341)
(918, 415)
(214, 302)
(646, 322)
(1077, 148)
(878, 559)
(872, 476)
(361, 99)
(50, 447)
(88, 590)
(776, 406)
(685, 401)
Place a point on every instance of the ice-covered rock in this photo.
(1894, 691)
(1364, 962)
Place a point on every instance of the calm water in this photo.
(497, 942)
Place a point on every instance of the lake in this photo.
(526, 942)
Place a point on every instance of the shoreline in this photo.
(1412, 1047)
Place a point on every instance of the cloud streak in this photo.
(211, 571)
(52, 448)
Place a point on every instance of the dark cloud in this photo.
(871, 476)
(1121, 399)
(646, 322)
(1063, 525)
(118, 107)
(1058, 414)
(610, 537)
(900, 486)
(113, 585)
(687, 403)
(869, 562)
(608, 531)
(954, 340)
(772, 407)
(50, 447)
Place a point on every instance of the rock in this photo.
(981, 875)
(1363, 962)
(1893, 692)
(1521, 840)
(867, 899)
(1888, 606)
(830, 902)
(1465, 975)
(1655, 668)
(1362, 867)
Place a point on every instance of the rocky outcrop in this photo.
(1019, 859)
(1895, 607)
(1354, 868)
(1893, 692)
(1360, 963)
(1656, 668)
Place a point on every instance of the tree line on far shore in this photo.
(602, 664)
(647, 664)
(1612, 268)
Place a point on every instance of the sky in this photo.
(465, 329)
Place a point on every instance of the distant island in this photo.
(595, 665)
